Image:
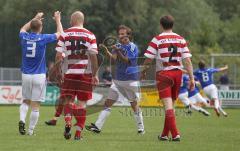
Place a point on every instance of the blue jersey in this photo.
(193, 92)
(33, 51)
(185, 83)
(131, 51)
(205, 76)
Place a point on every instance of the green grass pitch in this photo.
(199, 133)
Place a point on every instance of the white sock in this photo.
(222, 111)
(23, 109)
(33, 119)
(102, 117)
(196, 108)
(139, 120)
(216, 104)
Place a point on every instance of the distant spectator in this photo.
(107, 76)
(224, 81)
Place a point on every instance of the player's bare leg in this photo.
(23, 110)
(170, 122)
(97, 126)
(35, 105)
(138, 117)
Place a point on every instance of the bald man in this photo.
(77, 49)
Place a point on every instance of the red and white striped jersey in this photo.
(76, 44)
(169, 49)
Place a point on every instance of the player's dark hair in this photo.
(201, 64)
(35, 25)
(128, 29)
(167, 22)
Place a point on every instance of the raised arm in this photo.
(26, 27)
(57, 18)
(107, 52)
(120, 55)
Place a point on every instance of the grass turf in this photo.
(199, 133)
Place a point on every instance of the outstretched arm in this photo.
(223, 68)
(26, 27)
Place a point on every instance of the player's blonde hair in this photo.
(36, 25)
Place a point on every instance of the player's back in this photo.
(33, 51)
(76, 44)
(169, 49)
(205, 76)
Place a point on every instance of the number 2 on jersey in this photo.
(31, 49)
(173, 50)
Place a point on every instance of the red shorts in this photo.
(77, 85)
(168, 83)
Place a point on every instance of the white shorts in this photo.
(34, 87)
(128, 89)
(197, 98)
(211, 91)
(183, 97)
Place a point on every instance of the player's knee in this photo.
(28, 102)
(108, 103)
(35, 105)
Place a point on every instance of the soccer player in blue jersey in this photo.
(205, 77)
(185, 94)
(189, 98)
(33, 67)
(125, 55)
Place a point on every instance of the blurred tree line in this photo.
(208, 26)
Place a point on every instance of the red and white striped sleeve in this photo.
(151, 51)
(93, 45)
(185, 51)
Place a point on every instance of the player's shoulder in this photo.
(171, 35)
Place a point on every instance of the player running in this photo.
(169, 49)
(190, 98)
(34, 68)
(205, 77)
(125, 53)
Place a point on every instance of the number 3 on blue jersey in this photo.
(205, 76)
(31, 49)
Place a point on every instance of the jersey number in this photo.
(205, 76)
(31, 49)
(173, 50)
(78, 46)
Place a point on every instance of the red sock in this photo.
(68, 111)
(172, 123)
(80, 116)
(165, 131)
